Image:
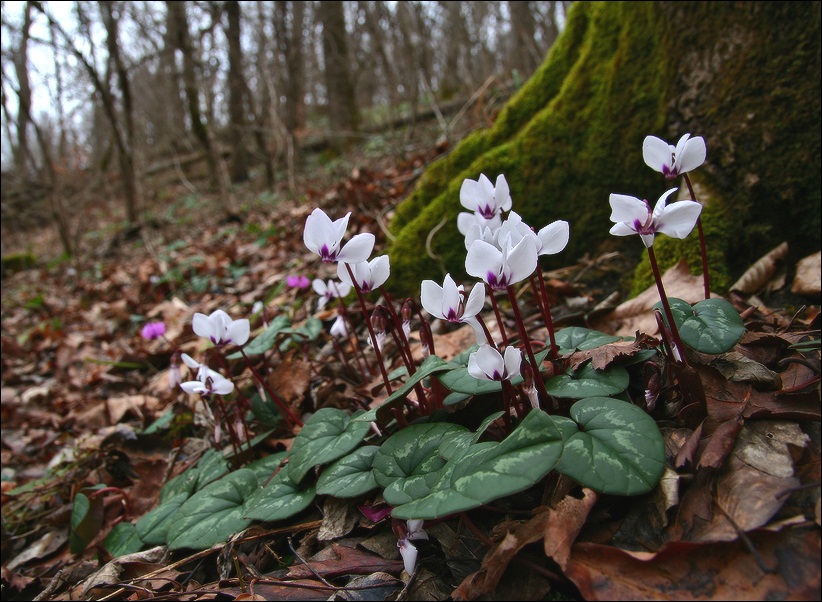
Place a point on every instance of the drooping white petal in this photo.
(190, 361)
(239, 331)
(451, 296)
(319, 286)
(483, 258)
(659, 207)
(521, 260)
(415, 530)
(203, 326)
(486, 363)
(193, 386)
(622, 229)
(513, 361)
(628, 209)
(657, 153)
(470, 192)
(475, 301)
(431, 296)
(380, 270)
(222, 386)
(553, 237)
(338, 328)
(692, 155)
(357, 249)
(502, 194)
(679, 219)
(409, 555)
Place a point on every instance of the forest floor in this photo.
(89, 415)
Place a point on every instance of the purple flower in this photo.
(300, 281)
(153, 330)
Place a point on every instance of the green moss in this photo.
(597, 94)
(620, 71)
(17, 262)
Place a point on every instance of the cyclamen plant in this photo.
(581, 423)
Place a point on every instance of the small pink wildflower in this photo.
(153, 330)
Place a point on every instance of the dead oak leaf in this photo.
(603, 356)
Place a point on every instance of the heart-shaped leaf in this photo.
(329, 434)
(265, 467)
(350, 476)
(86, 521)
(617, 450)
(122, 540)
(406, 461)
(710, 326)
(152, 528)
(588, 382)
(487, 471)
(210, 467)
(213, 514)
(278, 500)
(577, 338)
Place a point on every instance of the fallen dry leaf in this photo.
(790, 569)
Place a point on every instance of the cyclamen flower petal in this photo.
(633, 216)
(688, 154)
(466, 222)
(331, 289)
(338, 328)
(502, 268)
(153, 330)
(448, 302)
(553, 238)
(297, 281)
(208, 381)
(221, 329)
(484, 198)
(369, 275)
(486, 363)
(324, 237)
(409, 555)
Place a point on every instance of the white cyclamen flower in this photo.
(484, 198)
(324, 237)
(368, 275)
(672, 161)
(633, 216)
(220, 329)
(449, 302)
(407, 550)
(329, 290)
(500, 268)
(486, 363)
(208, 381)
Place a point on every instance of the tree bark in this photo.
(236, 94)
(342, 106)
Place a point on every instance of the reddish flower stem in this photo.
(498, 315)
(706, 276)
(367, 317)
(523, 334)
(669, 316)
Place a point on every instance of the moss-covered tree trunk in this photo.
(745, 76)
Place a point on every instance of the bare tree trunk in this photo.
(236, 94)
(342, 106)
(126, 155)
(218, 169)
(523, 30)
(101, 85)
(21, 150)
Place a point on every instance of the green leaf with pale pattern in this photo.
(123, 539)
(278, 500)
(329, 434)
(351, 475)
(577, 338)
(710, 326)
(153, 526)
(210, 467)
(407, 461)
(588, 382)
(213, 514)
(484, 472)
(618, 448)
